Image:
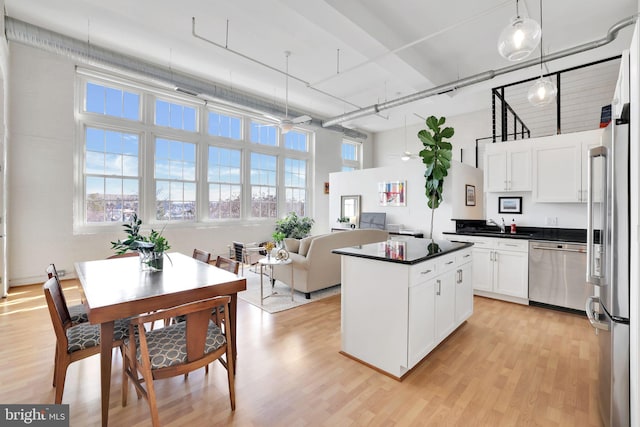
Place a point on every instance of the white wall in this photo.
(389, 145)
(41, 178)
(569, 215)
(416, 215)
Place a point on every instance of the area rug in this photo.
(282, 300)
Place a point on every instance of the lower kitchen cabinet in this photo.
(500, 268)
(438, 305)
(464, 290)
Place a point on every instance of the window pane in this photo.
(176, 116)
(224, 170)
(102, 153)
(108, 195)
(263, 189)
(175, 187)
(263, 134)
(112, 101)
(131, 106)
(95, 98)
(295, 175)
(223, 125)
(295, 141)
(162, 113)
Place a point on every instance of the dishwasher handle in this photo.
(548, 248)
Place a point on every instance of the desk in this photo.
(270, 262)
(116, 288)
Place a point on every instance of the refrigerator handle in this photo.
(594, 273)
(592, 315)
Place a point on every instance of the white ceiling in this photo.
(361, 52)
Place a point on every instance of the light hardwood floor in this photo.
(508, 365)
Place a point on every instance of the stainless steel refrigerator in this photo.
(608, 269)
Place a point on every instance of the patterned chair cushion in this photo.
(78, 313)
(85, 335)
(168, 345)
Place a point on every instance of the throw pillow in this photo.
(292, 245)
(304, 245)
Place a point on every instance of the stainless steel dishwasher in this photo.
(557, 274)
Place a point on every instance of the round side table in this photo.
(270, 263)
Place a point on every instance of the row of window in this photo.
(184, 171)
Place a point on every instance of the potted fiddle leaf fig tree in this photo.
(436, 156)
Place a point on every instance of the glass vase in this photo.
(151, 261)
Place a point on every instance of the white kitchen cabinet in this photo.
(464, 289)
(445, 304)
(511, 269)
(422, 311)
(560, 166)
(500, 267)
(421, 305)
(507, 167)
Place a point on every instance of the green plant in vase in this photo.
(151, 248)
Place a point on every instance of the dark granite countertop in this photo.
(573, 235)
(410, 251)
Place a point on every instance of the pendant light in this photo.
(406, 156)
(520, 38)
(543, 91)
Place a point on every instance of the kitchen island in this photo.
(400, 299)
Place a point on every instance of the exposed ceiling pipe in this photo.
(264, 64)
(89, 54)
(611, 35)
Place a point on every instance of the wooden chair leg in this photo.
(55, 364)
(125, 379)
(61, 373)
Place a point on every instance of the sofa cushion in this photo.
(292, 245)
(305, 244)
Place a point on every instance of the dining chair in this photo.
(73, 341)
(227, 264)
(176, 349)
(201, 255)
(78, 312)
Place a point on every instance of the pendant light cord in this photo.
(541, 38)
(517, 10)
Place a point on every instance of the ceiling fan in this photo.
(407, 155)
(287, 124)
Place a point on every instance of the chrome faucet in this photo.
(501, 226)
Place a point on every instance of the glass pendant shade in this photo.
(519, 39)
(543, 92)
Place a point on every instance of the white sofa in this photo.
(314, 266)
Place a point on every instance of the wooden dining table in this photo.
(117, 288)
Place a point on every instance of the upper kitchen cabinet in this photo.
(507, 167)
(560, 167)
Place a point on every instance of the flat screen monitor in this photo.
(373, 220)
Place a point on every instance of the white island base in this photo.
(394, 314)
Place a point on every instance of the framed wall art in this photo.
(510, 205)
(392, 193)
(470, 195)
